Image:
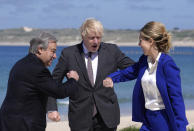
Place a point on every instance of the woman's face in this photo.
(146, 45)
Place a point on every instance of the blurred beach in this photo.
(174, 43)
(71, 36)
(125, 121)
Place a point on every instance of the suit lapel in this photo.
(80, 59)
(101, 58)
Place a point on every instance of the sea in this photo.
(183, 57)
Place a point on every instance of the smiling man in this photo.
(96, 108)
(30, 83)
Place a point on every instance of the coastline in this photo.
(125, 121)
(174, 43)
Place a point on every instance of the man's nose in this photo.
(55, 56)
(95, 40)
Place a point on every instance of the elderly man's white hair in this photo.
(41, 42)
(45, 36)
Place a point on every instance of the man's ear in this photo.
(39, 50)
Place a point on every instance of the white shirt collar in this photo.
(85, 49)
(94, 54)
(152, 67)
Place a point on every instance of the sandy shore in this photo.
(174, 43)
(125, 122)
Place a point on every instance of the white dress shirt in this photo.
(153, 100)
(94, 58)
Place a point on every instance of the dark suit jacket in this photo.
(169, 86)
(110, 58)
(29, 85)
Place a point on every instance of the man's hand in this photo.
(73, 74)
(54, 116)
(108, 82)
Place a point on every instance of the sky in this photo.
(113, 14)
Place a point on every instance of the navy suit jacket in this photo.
(169, 84)
(29, 85)
(110, 58)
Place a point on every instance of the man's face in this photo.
(92, 41)
(49, 54)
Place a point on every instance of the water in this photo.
(183, 56)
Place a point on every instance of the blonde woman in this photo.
(157, 96)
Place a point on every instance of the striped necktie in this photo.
(89, 69)
(91, 77)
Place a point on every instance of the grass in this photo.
(130, 129)
(137, 129)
